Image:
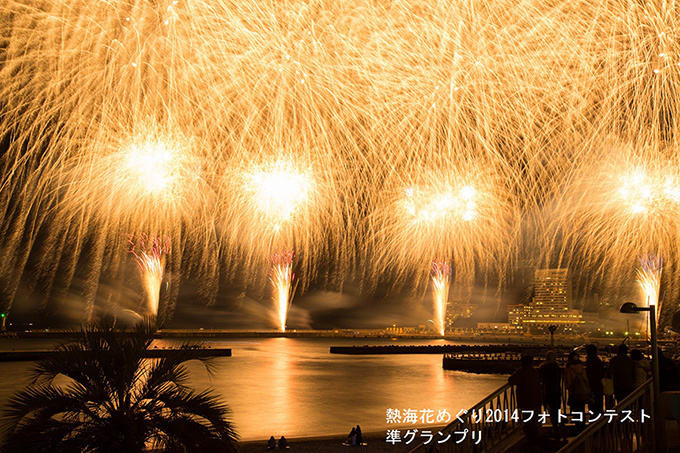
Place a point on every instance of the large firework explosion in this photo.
(123, 116)
(617, 207)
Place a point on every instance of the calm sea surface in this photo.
(296, 388)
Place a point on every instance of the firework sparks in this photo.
(148, 178)
(455, 211)
(279, 192)
(282, 277)
(649, 279)
(441, 273)
(617, 207)
(649, 195)
(150, 165)
(110, 110)
(278, 206)
(441, 207)
(150, 253)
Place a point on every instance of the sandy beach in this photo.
(375, 442)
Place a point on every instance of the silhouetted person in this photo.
(580, 394)
(352, 437)
(283, 443)
(621, 371)
(271, 445)
(550, 374)
(669, 378)
(595, 372)
(527, 381)
(642, 368)
(360, 437)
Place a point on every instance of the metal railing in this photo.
(485, 355)
(605, 436)
(489, 423)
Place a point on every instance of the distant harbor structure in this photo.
(550, 305)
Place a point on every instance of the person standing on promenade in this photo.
(621, 371)
(550, 374)
(669, 378)
(527, 381)
(642, 368)
(595, 372)
(580, 394)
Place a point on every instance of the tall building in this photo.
(551, 303)
(552, 289)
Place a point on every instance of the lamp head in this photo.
(630, 307)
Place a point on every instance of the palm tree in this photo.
(116, 400)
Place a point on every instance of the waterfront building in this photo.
(530, 315)
(551, 304)
(404, 330)
(496, 326)
(456, 309)
(552, 289)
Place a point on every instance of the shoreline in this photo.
(364, 334)
(375, 442)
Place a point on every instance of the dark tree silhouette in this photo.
(115, 400)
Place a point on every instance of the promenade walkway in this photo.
(489, 427)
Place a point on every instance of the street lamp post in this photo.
(659, 434)
(552, 330)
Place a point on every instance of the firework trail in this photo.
(441, 274)
(282, 277)
(150, 253)
(649, 279)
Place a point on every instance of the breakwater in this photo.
(505, 362)
(221, 333)
(483, 363)
(436, 349)
(27, 356)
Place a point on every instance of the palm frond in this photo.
(116, 400)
